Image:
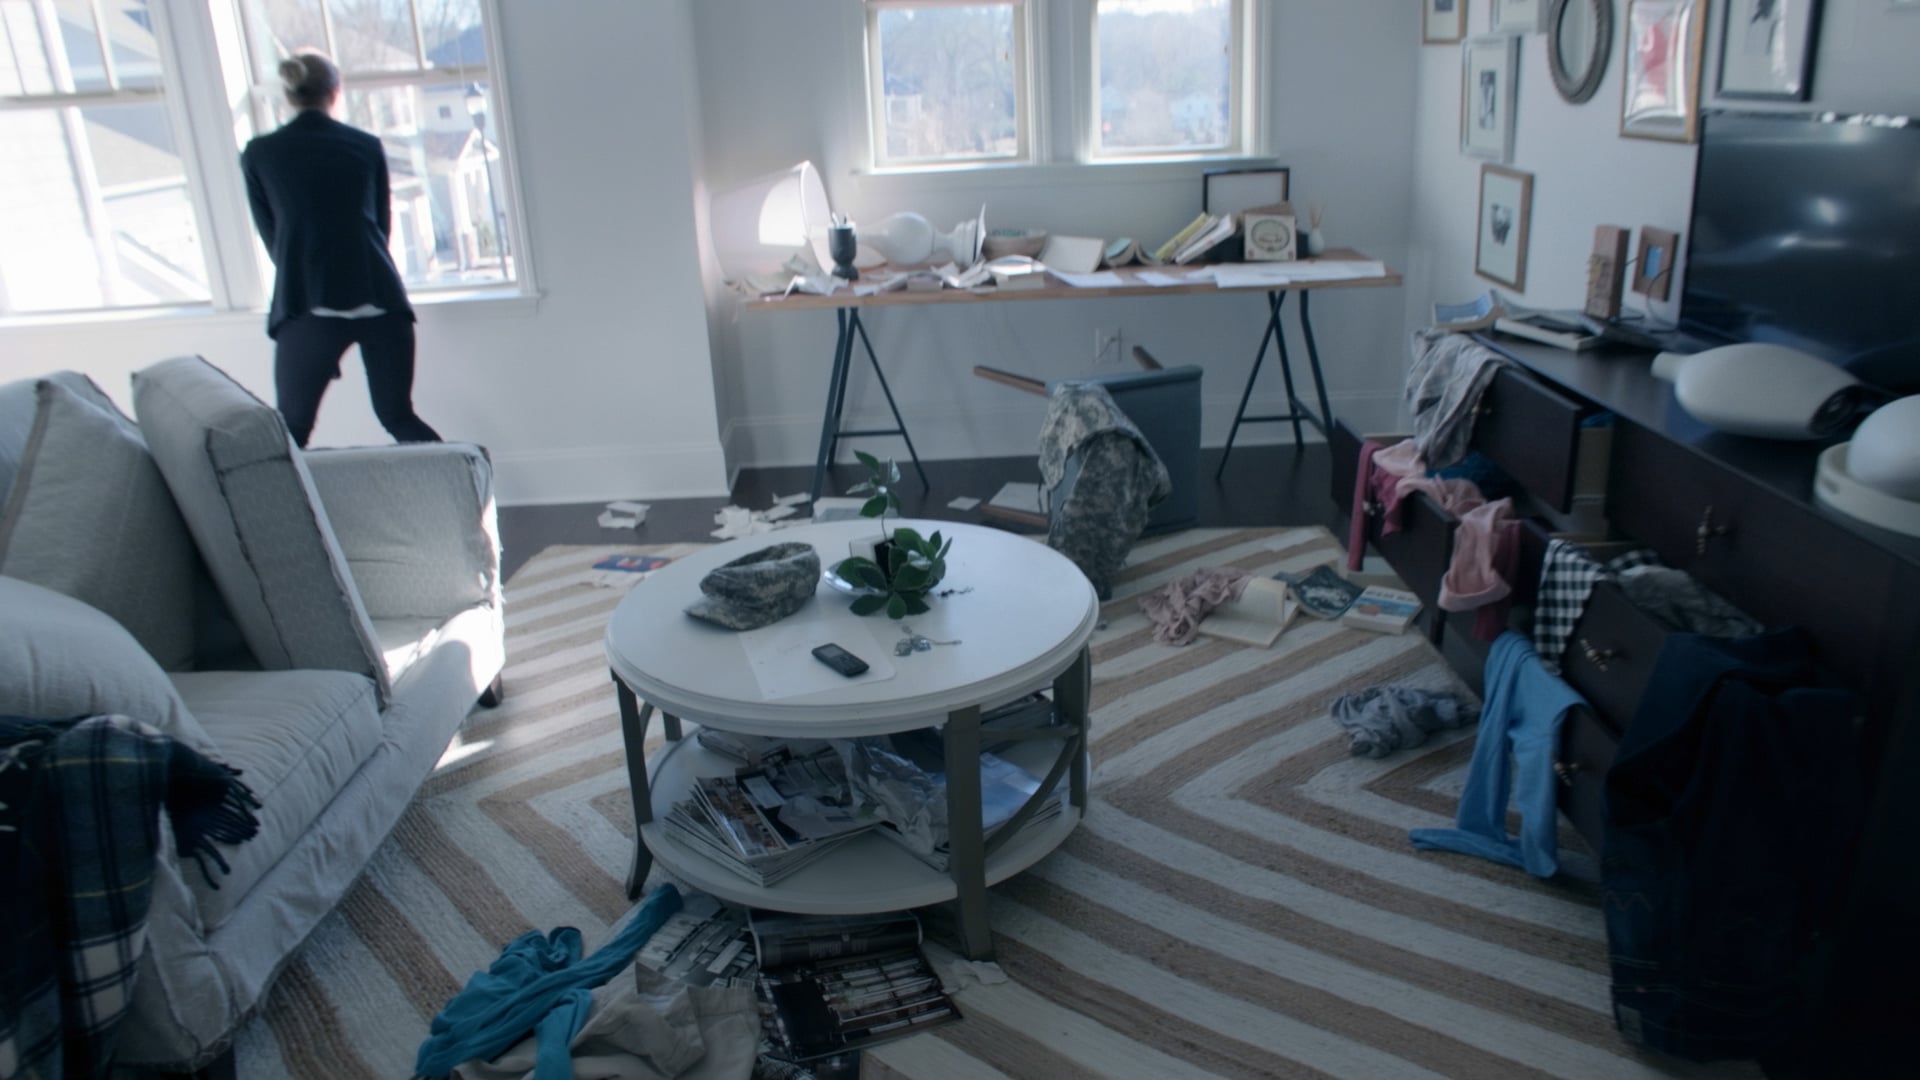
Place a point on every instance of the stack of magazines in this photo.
(766, 823)
(832, 985)
(905, 774)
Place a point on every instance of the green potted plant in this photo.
(905, 566)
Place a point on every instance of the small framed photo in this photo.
(1660, 96)
(1489, 96)
(1653, 267)
(1443, 22)
(1520, 16)
(1229, 191)
(1506, 219)
(1766, 49)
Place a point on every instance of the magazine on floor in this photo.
(833, 984)
(705, 943)
(905, 774)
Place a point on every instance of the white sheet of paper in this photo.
(1073, 254)
(1104, 279)
(792, 500)
(1160, 280)
(962, 502)
(781, 655)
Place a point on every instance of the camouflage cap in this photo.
(758, 588)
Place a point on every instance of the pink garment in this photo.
(1176, 608)
(1377, 484)
(1485, 550)
(1456, 497)
(1362, 495)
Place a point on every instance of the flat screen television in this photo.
(1806, 233)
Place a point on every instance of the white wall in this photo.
(781, 83)
(606, 389)
(1585, 174)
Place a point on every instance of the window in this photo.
(960, 82)
(947, 81)
(1167, 75)
(94, 201)
(402, 61)
(114, 194)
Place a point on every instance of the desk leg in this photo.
(885, 389)
(1274, 301)
(634, 715)
(967, 849)
(1073, 701)
(1313, 359)
(836, 392)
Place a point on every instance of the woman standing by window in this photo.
(320, 197)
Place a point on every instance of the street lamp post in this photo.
(477, 108)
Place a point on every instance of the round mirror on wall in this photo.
(1579, 38)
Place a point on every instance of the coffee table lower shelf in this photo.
(867, 874)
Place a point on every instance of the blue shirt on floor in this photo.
(1519, 733)
(539, 983)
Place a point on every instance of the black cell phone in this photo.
(839, 660)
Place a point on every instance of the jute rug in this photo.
(1240, 901)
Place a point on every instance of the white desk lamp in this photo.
(760, 224)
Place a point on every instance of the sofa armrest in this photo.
(416, 523)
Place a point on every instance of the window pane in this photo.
(94, 206)
(373, 35)
(948, 88)
(453, 34)
(294, 24)
(449, 220)
(1166, 74)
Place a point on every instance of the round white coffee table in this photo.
(1022, 615)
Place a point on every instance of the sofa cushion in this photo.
(61, 659)
(296, 737)
(247, 498)
(90, 516)
(18, 402)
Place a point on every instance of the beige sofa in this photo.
(321, 621)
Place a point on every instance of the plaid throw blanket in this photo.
(80, 805)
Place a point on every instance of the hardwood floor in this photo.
(1263, 485)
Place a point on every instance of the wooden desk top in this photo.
(1055, 289)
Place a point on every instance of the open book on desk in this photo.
(831, 984)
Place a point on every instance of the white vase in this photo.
(1314, 242)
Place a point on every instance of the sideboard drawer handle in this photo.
(1565, 772)
(1707, 530)
(1597, 657)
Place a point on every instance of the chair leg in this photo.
(494, 694)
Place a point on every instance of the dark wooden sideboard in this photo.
(1739, 514)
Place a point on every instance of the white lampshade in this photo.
(1886, 450)
(1765, 390)
(758, 225)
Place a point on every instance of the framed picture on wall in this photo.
(1443, 22)
(1506, 219)
(1489, 97)
(1660, 96)
(1766, 49)
(1520, 16)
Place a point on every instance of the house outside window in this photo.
(116, 194)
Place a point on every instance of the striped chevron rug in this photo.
(1241, 900)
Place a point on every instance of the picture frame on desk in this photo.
(1520, 16)
(1489, 98)
(1665, 47)
(1506, 225)
(1442, 22)
(1229, 191)
(1766, 49)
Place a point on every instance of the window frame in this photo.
(1063, 99)
(215, 101)
(1025, 91)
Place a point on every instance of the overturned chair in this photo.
(1101, 475)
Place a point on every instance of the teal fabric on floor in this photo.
(535, 981)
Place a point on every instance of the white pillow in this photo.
(90, 516)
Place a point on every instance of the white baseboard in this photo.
(605, 473)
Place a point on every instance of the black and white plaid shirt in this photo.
(1567, 577)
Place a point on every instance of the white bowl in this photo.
(1836, 488)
